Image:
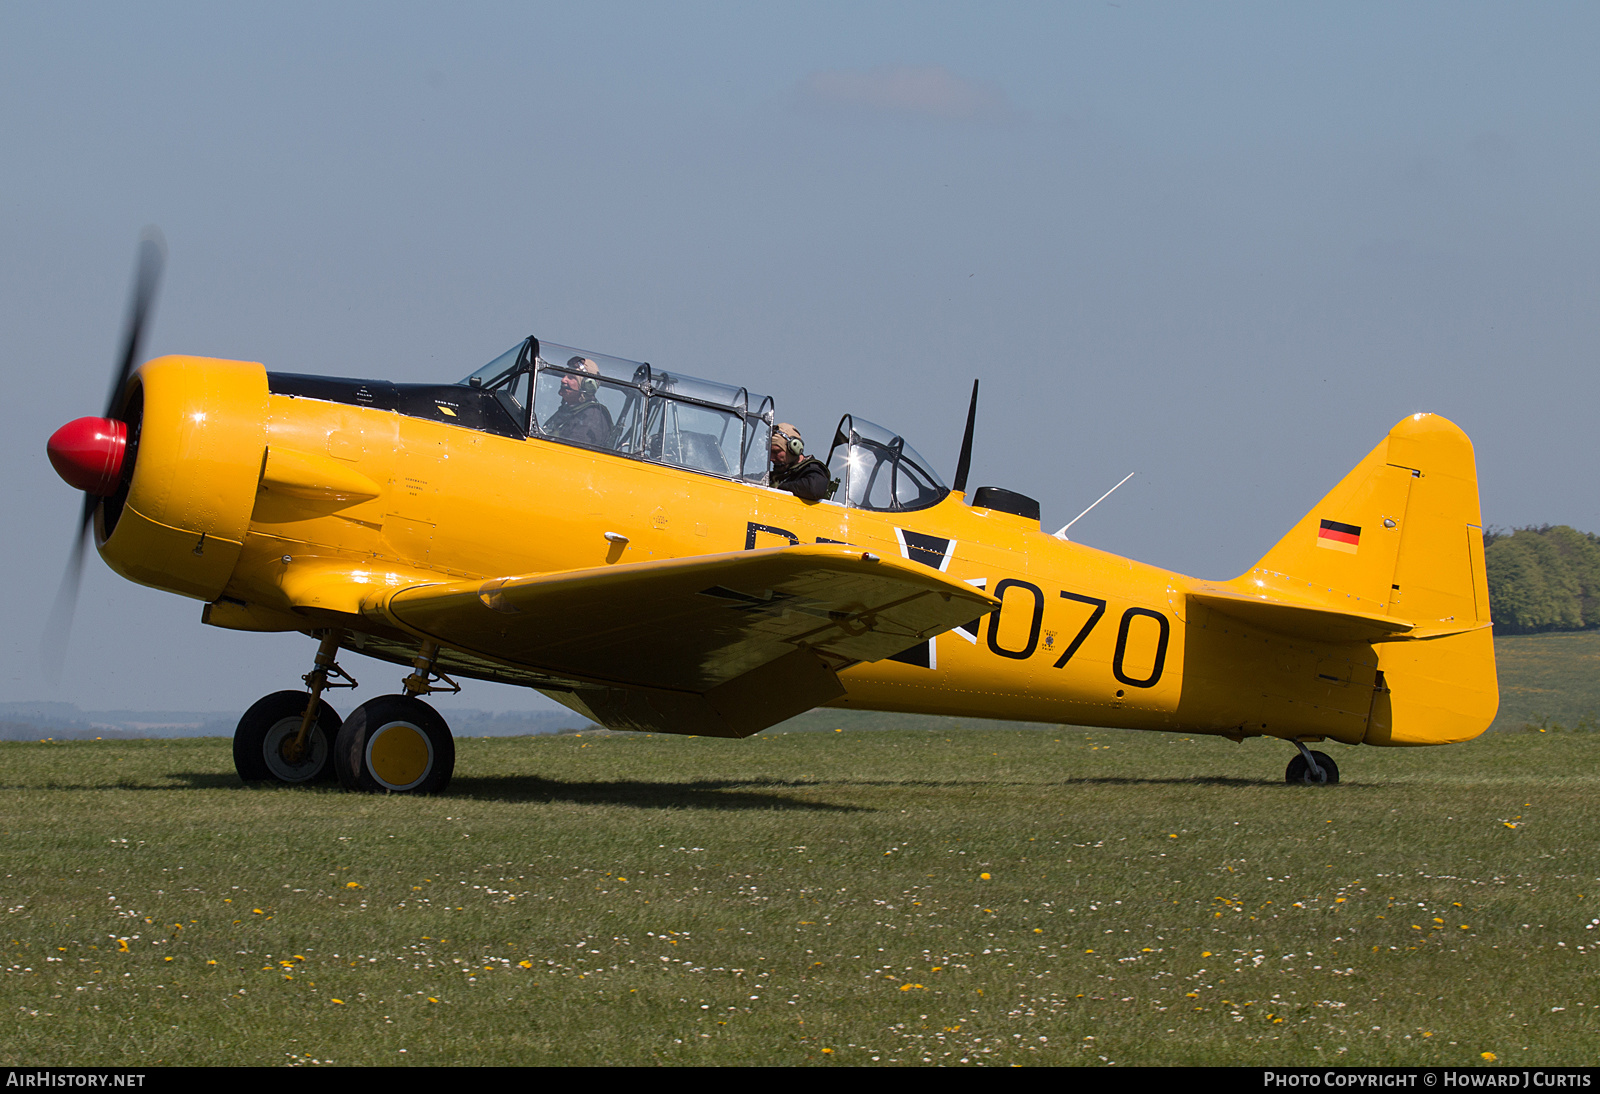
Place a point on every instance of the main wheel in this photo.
(263, 744)
(1300, 772)
(395, 743)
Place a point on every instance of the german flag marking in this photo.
(1339, 537)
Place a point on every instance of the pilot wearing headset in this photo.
(581, 418)
(792, 470)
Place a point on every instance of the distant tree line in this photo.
(1543, 579)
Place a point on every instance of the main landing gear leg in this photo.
(288, 736)
(399, 743)
(1311, 768)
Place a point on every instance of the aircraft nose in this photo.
(88, 454)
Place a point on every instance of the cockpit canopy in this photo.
(590, 399)
(876, 469)
(609, 404)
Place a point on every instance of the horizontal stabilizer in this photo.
(1310, 621)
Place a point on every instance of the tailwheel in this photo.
(265, 743)
(1300, 770)
(396, 743)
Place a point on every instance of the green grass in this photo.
(1549, 681)
(808, 898)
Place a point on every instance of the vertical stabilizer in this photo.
(1343, 553)
(1402, 536)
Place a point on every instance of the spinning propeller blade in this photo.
(146, 279)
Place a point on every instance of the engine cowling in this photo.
(197, 436)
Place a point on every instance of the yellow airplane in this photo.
(601, 530)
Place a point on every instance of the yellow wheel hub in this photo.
(399, 755)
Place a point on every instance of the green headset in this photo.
(587, 384)
(791, 438)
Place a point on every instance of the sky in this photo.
(1226, 246)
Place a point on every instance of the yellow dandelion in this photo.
(338, 1001)
(983, 877)
(1491, 1057)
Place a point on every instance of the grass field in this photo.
(1549, 681)
(1034, 896)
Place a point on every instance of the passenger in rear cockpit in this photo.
(803, 476)
(581, 418)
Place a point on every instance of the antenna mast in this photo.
(964, 464)
(1062, 532)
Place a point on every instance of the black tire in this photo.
(1300, 772)
(272, 722)
(395, 744)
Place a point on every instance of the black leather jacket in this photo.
(587, 422)
(807, 479)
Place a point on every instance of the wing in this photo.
(720, 645)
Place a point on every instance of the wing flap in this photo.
(747, 704)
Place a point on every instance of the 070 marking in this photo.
(1124, 627)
